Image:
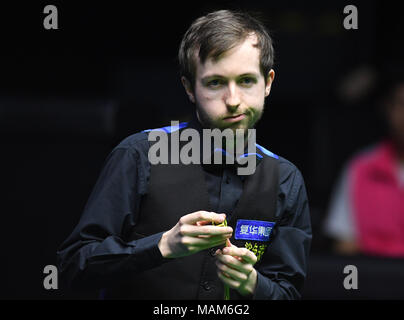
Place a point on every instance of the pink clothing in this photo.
(378, 202)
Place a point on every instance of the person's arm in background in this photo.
(339, 223)
(282, 271)
(96, 251)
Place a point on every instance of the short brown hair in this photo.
(219, 31)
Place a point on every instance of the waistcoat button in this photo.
(206, 286)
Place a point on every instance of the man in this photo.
(150, 231)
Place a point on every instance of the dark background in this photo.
(68, 96)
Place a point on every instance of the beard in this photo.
(252, 116)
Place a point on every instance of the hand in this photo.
(193, 234)
(236, 269)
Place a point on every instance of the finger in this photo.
(232, 273)
(192, 230)
(213, 239)
(203, 243)
(234, 263)
(203, 222)
(230, 282)
(194, 217)
(243, 253)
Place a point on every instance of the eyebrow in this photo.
(251, 74)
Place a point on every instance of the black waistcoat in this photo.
(175, 190)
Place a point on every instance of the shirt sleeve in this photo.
(96, 253)
(339, 223)
(282, 271)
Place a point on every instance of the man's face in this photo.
(230, 92)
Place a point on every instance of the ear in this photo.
(270, 79)
(188, 89)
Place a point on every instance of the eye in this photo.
(215, 83)
(247, 81)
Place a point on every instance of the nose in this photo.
(232, 97)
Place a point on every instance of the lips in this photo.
(235, 118)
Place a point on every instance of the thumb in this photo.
(229, 244)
